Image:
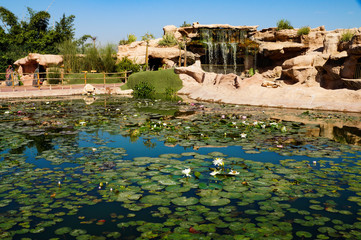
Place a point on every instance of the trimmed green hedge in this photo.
(160, 80)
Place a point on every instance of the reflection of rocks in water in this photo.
(350, 135)
(89, 100)
(338, 133)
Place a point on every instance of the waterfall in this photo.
(222, 46)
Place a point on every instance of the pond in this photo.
(118, 168)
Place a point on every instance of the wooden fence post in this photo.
(85, 77)
(104, 78)
(125, 78)
(38, 80)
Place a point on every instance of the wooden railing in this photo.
(38, 79)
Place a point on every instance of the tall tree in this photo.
(147, 37)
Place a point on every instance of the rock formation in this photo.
(293, 70)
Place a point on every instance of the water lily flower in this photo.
(263, 126)
(223, 116)
(164, 124)
(82, 123)
(186, 172)
(284, 129)
(243, 135)
(117, 109)
(280, 146)
(314, 162)
(111, 189)
(233, 172)
(47, 102)
(94, 149)
(244, 117)
(215, 172)
(255, 123)
(273, 123)
(218, 162)
(7, 112)
(59, 183)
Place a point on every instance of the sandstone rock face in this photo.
(355, 46)
(282, 50)
(136, 52)
(250, 92)
(331, 43)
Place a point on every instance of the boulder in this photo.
(331, 42)
(355, 45)
(281, 50)
(289, 35)
(89, 89)
(171, 29)
(194, 71)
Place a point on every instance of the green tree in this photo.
(18, 38)
(147, 37)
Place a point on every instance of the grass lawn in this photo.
(93, 78)
(160, 80)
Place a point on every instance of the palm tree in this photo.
(147, 37)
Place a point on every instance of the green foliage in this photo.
(107, 57)
(18, 38)
(143, 90)
(171, 94)
(251, 72)
(147, 37)
(92, 60)
(185, 24)
(303, 31)
(347, 36)
(127, 65)
(161, 80)
(284, 24)
(168, 40)
(54, 75)
(68, 49)
(131, 38)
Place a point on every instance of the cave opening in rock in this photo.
(155, 63)
(358, 69)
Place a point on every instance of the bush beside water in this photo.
(160, 80)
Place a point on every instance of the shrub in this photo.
(168, 40)
(347, 36)
(284, 24)
(143, 90)
(185, 24)
(131, 38)
(303, 31)
(161, 80)
(127, 65)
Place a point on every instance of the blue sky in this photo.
(112, 20)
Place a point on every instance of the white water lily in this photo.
(243, 135)
(233, 172)
(186, 172)
(7, 112)
(82, 123)
(284, 129)
(164, 124)
(263, 126)
(94, 149)
(314, 162)
(234, 123)
(255, 123)
(215, 172)
(273, 123)
(218, 162)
